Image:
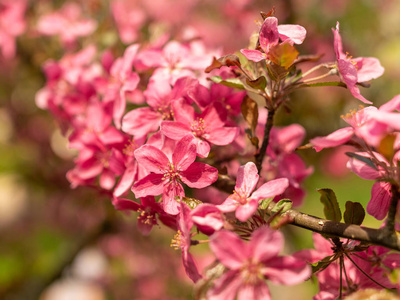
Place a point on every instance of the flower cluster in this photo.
(151, 125)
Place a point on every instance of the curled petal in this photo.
(381, 195)
(294, 33)
(336, 138)
(253, 55)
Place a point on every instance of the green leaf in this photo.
(230, 82)
(264, 203)
(331, 206)
(260, 83)
(364, 159)
(322, 264)
(320, 84)
(282, 206)
(354, 213)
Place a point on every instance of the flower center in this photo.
(172, 173)
(147, 217)
(240, 196)
(198, 127)
(130, 148)
(178, 242)
(251, 272)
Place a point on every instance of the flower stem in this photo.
(267, 130)
(390, 222)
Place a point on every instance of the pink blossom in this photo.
(282, 162)
(67, 23)
(205, 128)
(270, 34)
(176, 60)
(208, 218)
(129, 18)
(250, 263)
(12, 24)
(354, 70)
(148, 211)
(168, 174)
(243, 201)
(159, 96)
(122, 80)
(182, 240)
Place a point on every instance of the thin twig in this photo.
(267, 130)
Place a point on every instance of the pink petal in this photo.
(229, 249)
(230, 204)
(183, 112)
(184, 154)
(269, 35)
(247, 178)
(199, 175)
(190, 266)
(151, 185)
(368, 68)
(289, 137)
(287, 270)
(391, 119)
(152, 159)
(257, 291)
(202, 147)
(107, 179)
(349, 73)
(208, 218)
(336, 138)
(126, 204)
(381, 196)
(362, 169)
(223, 136)
(126, 180)
(271, 188)
(265, 244)
(244, 212)
(253, 55)
(337, 43)
(225, 287)
(294, 33)
(175, 130)
(172, 190)
(141, 121)
(393, 104)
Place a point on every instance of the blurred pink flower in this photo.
(12, 24)
(67, 23)
(250, 263)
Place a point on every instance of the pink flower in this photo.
(182, 240)
(168, 174)
(12, 24)
(159, 96)
(243, 201)
(205, 128)
(129, 19)
(270, 34)
(208, 218)
(148, 211)
(250, 263)
(354, 70)
(67, 23)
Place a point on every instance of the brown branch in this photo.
(389, 227)
(355, 232)
(268, 126)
